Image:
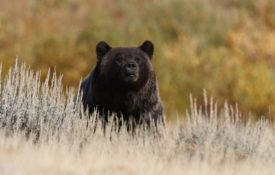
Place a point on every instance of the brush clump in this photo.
(44, 130)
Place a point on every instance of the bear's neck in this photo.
(124, 97)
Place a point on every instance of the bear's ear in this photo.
(148, 48)
(101, 49)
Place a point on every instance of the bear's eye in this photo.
(119, 59)
(137, 59)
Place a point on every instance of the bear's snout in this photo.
(131, 67)
(130, 72)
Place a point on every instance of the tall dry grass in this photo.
(208, 141)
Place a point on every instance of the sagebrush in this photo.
(206, 141)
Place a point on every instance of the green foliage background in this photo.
(224, 46)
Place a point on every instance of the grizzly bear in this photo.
(123, 82)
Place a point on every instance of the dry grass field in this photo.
(224, 46)
(42, 133)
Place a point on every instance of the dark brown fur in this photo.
(123, 82)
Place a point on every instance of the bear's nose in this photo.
(131, 66)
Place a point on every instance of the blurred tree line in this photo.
(224, 46)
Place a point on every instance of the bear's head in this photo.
(125, 66)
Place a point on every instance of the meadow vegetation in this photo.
(224, 46)
(43, 130)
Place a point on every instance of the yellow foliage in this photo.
(253, 40)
